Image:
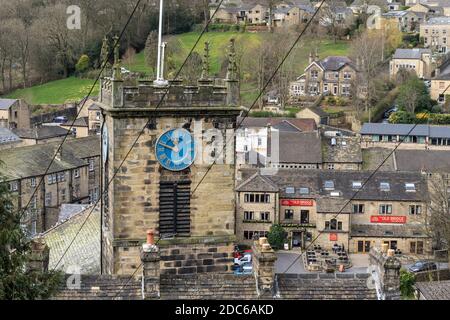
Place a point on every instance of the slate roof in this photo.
(215, 286)
(415, 53)
(81, 122)
(41, 133)
(298, 147)
(347, 150)
(255, 122)
(257, 183)
(387, 231)
(335, 63)
(395, 13)
(373, 157)
(68, 210)
(343, 182)
(424, 160)
(333, 205)
(7, 136)
(325, 287)
(102, 287)
(404, 129)
(318, 111)
(32, 161)
(85, 249)
(438, 21)
(434, 290)
(208, 286)
(5, 104)
(86, 147)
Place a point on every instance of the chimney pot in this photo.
(150, 237)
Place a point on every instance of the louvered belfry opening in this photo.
(175, 207)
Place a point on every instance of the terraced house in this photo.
(391, 208)
(72, 178)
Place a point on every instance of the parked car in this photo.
(244, 259)
(422, 266)
(61, 119)
(241, 250)
(246, 268)
(390, 111)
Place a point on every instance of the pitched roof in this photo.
(84, 252)
(333, 205)
(403, 129)
(41, 133)
(343, 182)
(86, 147)
(335, 63)
(256, 122)
(81, 122)
(319, 111)
(5, 104)
(102, 287)
(221, 286)
(424, 160)
(346, 150)
(297, 147)
(415, 53)
(7, 136)
(32, 161)
(438, 21)
(395, 13)
(314, 286)
(434, 290)
(257, 182)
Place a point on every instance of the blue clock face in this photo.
(175, 149)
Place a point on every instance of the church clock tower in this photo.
(154, 188)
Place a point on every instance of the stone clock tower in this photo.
(196, 229)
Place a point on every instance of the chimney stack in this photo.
(388, 269)
(264, 259)
(40, 256)
(150, 258)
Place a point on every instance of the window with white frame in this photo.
(385, 209)
(415, 209)
(248, 215)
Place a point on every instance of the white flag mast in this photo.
(161, 46)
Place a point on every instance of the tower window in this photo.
(175, 208)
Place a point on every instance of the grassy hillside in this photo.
(56, 92)
(72, 89)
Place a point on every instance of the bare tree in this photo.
(440, 210)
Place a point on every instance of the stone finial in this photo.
(117, 74)
(232, 67)
(205, 67)
(104, 55)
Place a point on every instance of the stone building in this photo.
(42, 135)
(14, 114)
(416, 60)
(391, 208)
(8, 139)
(333, 75)
(195, 229)
(74, 172)
(79, 127)
(435, 33)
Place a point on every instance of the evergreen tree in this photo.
(17, 280)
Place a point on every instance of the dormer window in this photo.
(335, 194)
(329, 185)
(304, 190)
(410, 187)
(356, 185)
(290, 190)
(385, 186)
